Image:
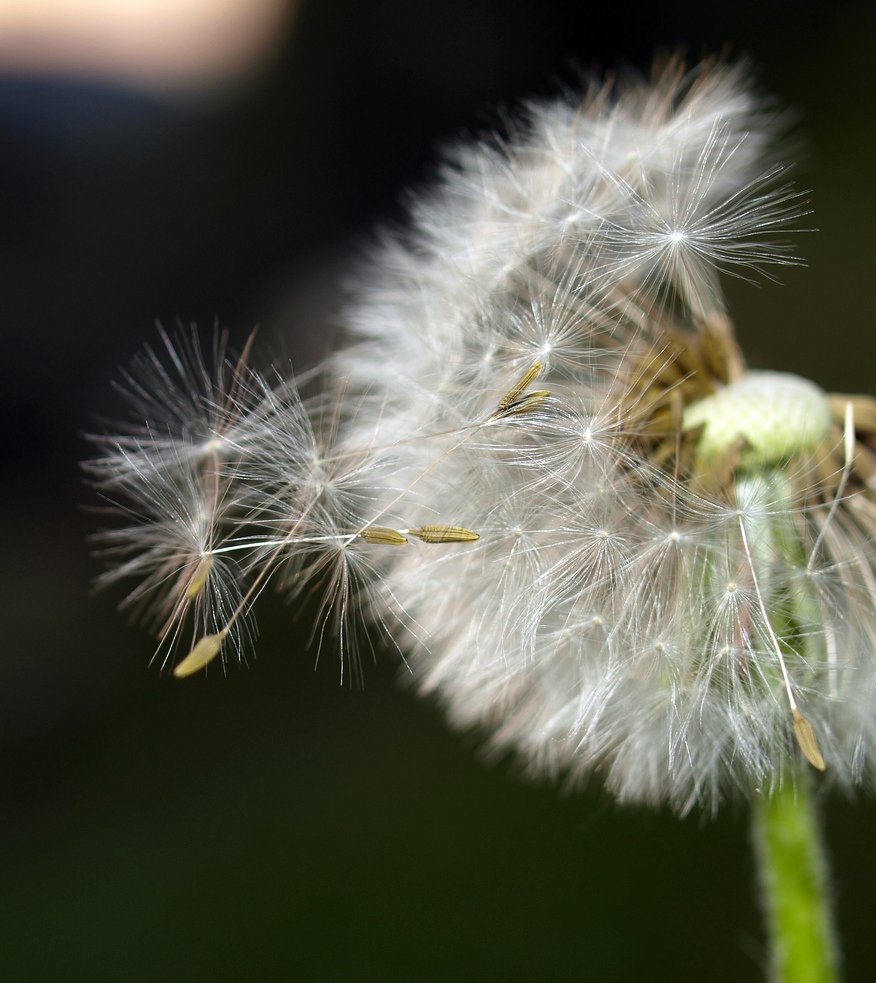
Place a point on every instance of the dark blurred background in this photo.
(270, 824)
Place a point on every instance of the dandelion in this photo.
(544, 468)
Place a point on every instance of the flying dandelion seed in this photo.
(543, 467)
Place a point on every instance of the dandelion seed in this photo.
(201, 655)
(516, 390)
(525, 404)
(383, 536)
(444, 534)
(807, 740)
(199, 578)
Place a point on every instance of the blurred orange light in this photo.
(158, 43)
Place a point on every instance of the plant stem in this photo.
(793, 878)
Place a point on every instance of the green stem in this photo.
(793, 880)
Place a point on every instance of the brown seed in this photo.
(199, 578)
(444, 534)
(526, 404)
(805, 735)
(383, 536)
(203, 653)
(518, 387)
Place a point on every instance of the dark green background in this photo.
(270, 825)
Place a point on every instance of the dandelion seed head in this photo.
(542, 468)
(639, 604)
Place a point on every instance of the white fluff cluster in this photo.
(544, 468)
